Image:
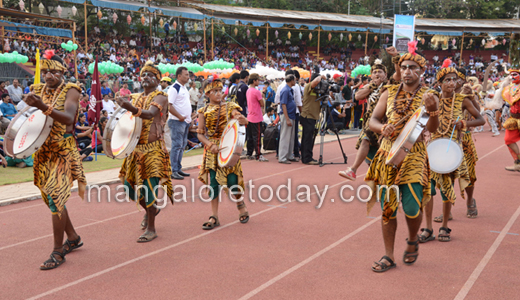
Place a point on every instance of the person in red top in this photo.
(124, 91)
(511, 95)
(255, 104)
(98, 145)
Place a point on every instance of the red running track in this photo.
(286, 251)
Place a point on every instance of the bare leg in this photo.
(361, 155)
(515, 152)
(389, 240)
(149, 233)
(428, 213)
(446, 210)
(58, 227)
(413, 228)
(69, 229)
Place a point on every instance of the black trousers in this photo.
(296, 139)
(307, 138)
(254, 139)
(346, 119)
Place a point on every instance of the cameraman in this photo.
(310, 114)
(347, 96)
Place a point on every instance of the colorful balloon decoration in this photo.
(69, 46)
(13, 57)
(107, 67)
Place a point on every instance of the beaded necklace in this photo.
(409, 100)
(451, 116)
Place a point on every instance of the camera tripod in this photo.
(321, 127)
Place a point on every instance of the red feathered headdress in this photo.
(412, 46)
(446, 63)
(48, 54)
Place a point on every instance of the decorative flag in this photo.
(129, 19)
(95, 106)
(37, 71)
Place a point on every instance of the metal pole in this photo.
(212, 40)
(267, 43)
(204, 38)
(150, 24)
(461, 47)
(366, 42)
(319, 31)
(75, 57)
(86, 39)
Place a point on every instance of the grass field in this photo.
(12, 175)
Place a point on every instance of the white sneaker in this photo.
(496, 133)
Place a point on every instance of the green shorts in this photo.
(147, 193)
(411, 197)
(433, 184)
(53, 207)
(371, 153)
(232, 184)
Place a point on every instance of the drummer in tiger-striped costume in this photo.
(57, 163)
(213, 118)
(148, 168)
(470, 151)
(451, 109)
(368, 142)
(412, 176)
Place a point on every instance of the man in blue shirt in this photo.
(104, 89)
(287, 118)
(269, 95)
(7, 108)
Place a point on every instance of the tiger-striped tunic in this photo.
(148, 160)
(445, 182)
(209, 159)
(414, 168)
(470, 151)
(57, 163)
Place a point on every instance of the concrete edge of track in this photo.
(116, 180)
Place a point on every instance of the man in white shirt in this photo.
(179, 121)
(108, 105)
(194, 95)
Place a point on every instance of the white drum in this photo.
(407, 138)
(231, 143)
(27, 132)
(445, 155)
(121, 134)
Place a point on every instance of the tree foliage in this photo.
(444, 9)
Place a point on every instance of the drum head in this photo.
(229, 139)
(405, 133)
(121, 134)
(444, 160)
(27, 131)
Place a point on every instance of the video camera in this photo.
(325, 87)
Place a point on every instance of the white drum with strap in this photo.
(121, 134)
(231, 144)
(445, 155)
(407, 138)
(27, 132)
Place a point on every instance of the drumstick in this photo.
(396, 124)
(452, 132)
(223, 148)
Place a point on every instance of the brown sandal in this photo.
(243, 217)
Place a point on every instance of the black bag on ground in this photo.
(271, 135)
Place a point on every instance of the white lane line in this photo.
(308, 260)
(124, 215)
(11, 210)
(76, 282)
(485, 260)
